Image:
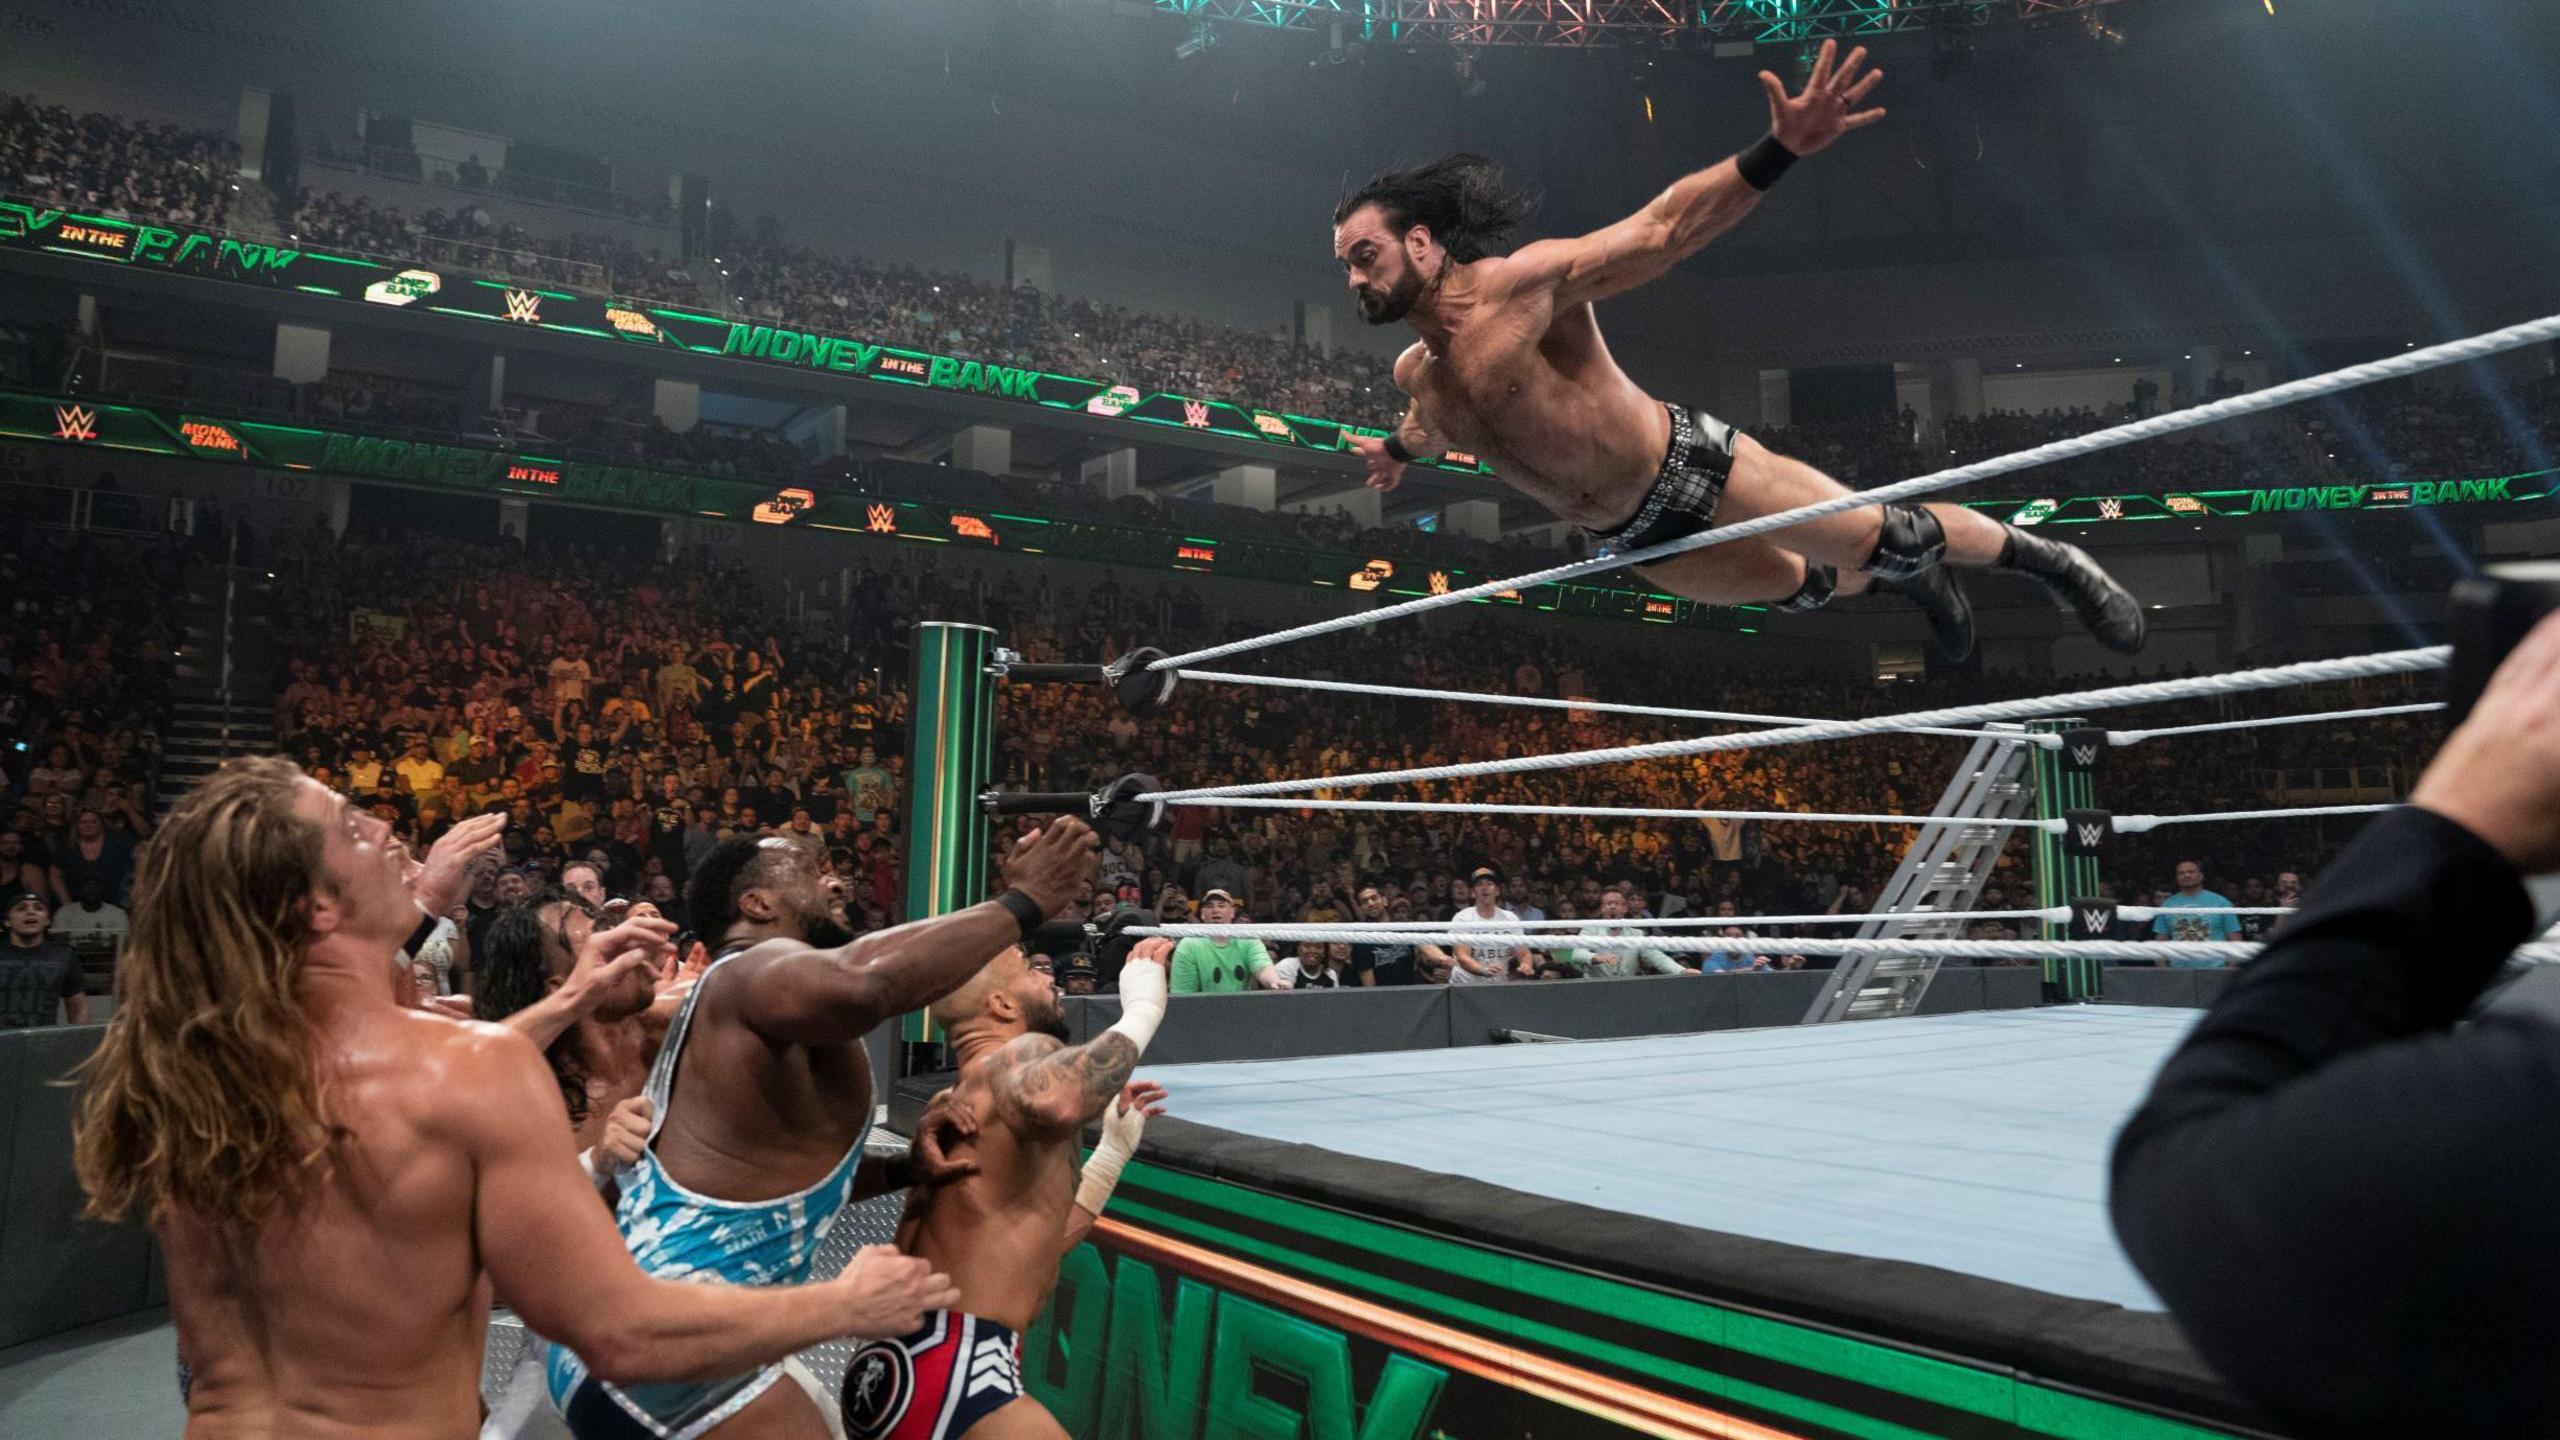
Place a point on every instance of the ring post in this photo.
(2060, 877)
(950, 759)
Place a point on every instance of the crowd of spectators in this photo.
(470, 238)
(2387, 433)
(628, 713)
(109, 165)
(621, 431)
(2442, 432)
(86, 645)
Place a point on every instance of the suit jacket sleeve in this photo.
(2329, 1185)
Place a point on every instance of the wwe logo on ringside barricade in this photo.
(524, 305)
(75, 422)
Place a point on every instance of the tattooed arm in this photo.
(1046, 1087)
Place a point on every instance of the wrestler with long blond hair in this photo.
(330, 1171)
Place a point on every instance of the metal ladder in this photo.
(1944, 871)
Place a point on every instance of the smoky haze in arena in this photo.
(2028, 177)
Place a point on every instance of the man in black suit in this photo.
(2342, 1190)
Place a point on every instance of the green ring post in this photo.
(2062, 877)
(950, 759)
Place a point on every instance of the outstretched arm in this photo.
(1701, 206)
(794, 994)
(554, 1254)
(1045, 1087)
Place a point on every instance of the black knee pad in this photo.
(1820, 581)
(1910, 542)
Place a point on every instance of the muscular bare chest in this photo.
(1540, 400)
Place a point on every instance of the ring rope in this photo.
(2408, 362)
(2057, 914)
(1609, 812)
(2135, 737)
(2138, 824)
(2124, 824)
(1541, 702)
(2235, 682)
(2137, 950)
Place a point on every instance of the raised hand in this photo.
(1144, 1098)
(2498, 775)
(444, 880)
(1828, 107)
(1157, 952)
(609, 956)
(1051, 864)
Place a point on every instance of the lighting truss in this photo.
(1586, 24)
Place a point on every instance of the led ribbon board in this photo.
(434, 289)
(782, 504)
(2528, 486)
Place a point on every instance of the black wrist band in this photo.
(1764, 162)
(1026, 911)
(1396, 450)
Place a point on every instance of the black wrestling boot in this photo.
(1942, 604)
(1821, 582)
(2107, 608)
(1909, 561)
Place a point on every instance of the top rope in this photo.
(2133, 737)
(2408, 362)
(2307, 672)
(1601, 707)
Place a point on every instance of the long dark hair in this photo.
(1465, 200)
(512, 970)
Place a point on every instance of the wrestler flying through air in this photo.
(1511, 366)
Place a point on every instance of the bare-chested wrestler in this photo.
(1511, 367)
(1027, 1095)
(330, 1172)
(763, 1100)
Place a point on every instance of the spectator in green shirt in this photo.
(1228, 966)
(1596, 957)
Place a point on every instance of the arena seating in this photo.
(626, 673)
(143, 169)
